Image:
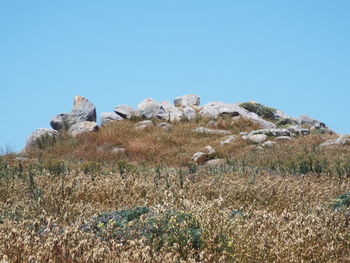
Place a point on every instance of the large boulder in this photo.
(199, 157)
(228, 140)
(187, 100)
(273, 132)
(41, 138)
(149, 108)
(189, 113)
(215, 109)
(269, 144)
(310, 122)
(124, 111)
(141, 125)
(107, 117)
(341, 140)
(215, 162)
(296, 129)
(257, 138)
(203, 130)
(62, 121)
(169, 112)
(83, 110)
(82, 127)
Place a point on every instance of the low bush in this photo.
(261, 110)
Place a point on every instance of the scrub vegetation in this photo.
(74, 200)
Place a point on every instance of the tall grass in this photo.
(71, 202)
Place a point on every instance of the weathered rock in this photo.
(209, 150)
(308, 121)
(189, 113)
(165, 125)
(273, 132)
(124, 111)
(229, 140)
(187, 100)
(296, 129)
(199, 157)
(204, 130)
(214, 109)
(283, 138)
(82, 127)
(107, 117)
(269, 144)
(169, 112)
(83, 110)
(62, 121)
(257, 138)
(243, 133)
(342, 140)
(118, 150)
(141, 125)
(215, 162)
(40, 138)
(149, 108)
(280, 115)
(137, 113)
(145, 122)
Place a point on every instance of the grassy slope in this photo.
(283, 197)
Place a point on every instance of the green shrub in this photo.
(284, 122)
(341, 202)
(261, 110)
(158, 229)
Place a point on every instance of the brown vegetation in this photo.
(275, 205)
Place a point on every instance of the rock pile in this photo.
(82, 119)
(83, 110)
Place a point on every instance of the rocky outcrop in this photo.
(269, 144)
(203, 130)
(215, 162)
(169, 112)
(273, 132)
(187, 100)
(149, 108)
(165, 126)
(82, 127)
(257, 138)
(124, 111)
(189, 113)
(107, 117)
(209, 150)
(228, 140)
(199, 157)
(40, 138)
(342, 140)
(215, 109)
(83, 110)
(141, 125)
(296, 129)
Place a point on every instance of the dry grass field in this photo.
(75, 201)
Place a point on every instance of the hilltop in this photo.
(177, 182)
(170, 133)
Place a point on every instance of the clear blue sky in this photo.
(293, 55)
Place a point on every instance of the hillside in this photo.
(177, 182)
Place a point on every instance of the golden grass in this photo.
(272, 205)
(284, 219)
